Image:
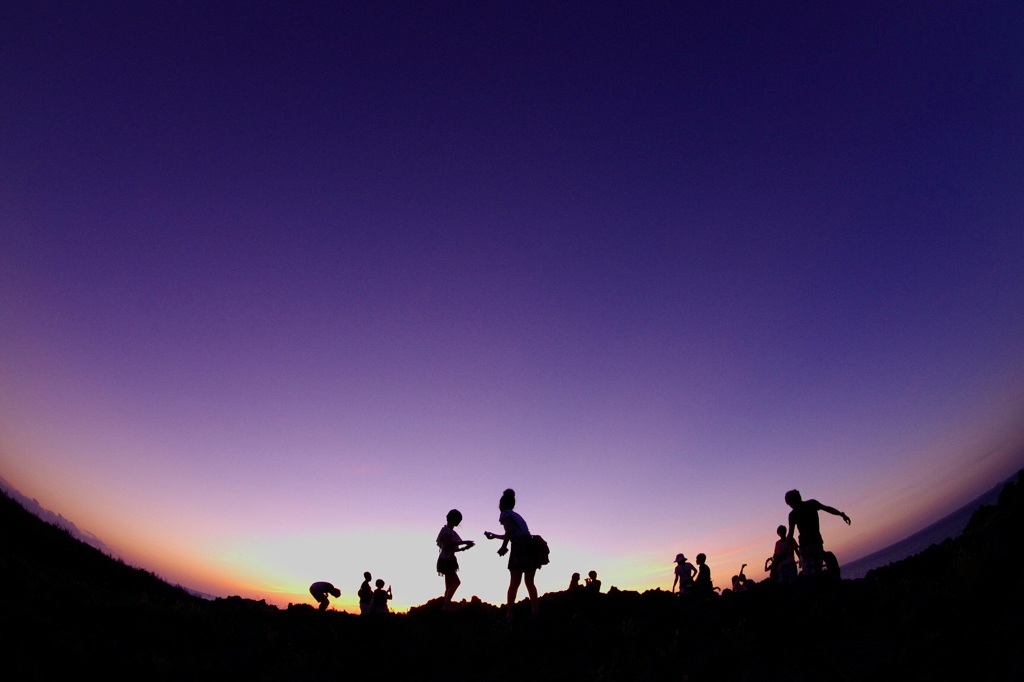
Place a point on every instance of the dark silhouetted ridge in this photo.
(952, 611)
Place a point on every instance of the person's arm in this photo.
(503, 550)
(836, 512)
(674, 581)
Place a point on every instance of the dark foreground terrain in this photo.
(953, 611)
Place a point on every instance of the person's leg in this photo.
(515, 577)
(812, 556)
(531, 589)
(451, 583)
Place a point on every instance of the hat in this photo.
(680, 557)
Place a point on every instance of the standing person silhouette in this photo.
(320, 590)
(448, 543)
(365, 594)
(702, 585)
(783, 561)
(381, 596)
(684, 573)
(804, 518)
(522, 563)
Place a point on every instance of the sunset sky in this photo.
(282, 283)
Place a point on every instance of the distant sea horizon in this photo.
(947, 527)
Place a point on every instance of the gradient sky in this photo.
(282, 284)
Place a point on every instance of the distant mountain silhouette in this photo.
(32, 505)
(949, 526)
(952, 611)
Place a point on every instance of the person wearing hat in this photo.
(684, 574)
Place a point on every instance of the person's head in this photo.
(366, 575)
(380, 582)
(335, 591)
(793, 498)
(680, 558)
(454, 517)
(781, 530)
(575, 577)
(701, 559)
(508, 500)
(593, 575)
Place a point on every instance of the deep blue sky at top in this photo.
(558, 150)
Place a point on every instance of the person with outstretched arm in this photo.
(804, 517)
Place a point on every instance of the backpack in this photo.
(541, 551)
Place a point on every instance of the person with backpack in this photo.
(524, 560)
(365, 594)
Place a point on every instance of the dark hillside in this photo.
(951, 611)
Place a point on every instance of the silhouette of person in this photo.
(365, 594)
(574, 582)
(739, 582)
(702, 585)
(320, 590)
(746, 582)
(381, 597)
(831, 565)
(593, 584)
(448, 543)
(783, 559)
(522, 563)
(804, 518)
(684, 573)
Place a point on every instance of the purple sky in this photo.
(280, 285)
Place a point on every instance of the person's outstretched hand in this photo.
(846, 518)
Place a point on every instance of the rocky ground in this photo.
(952, 611)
